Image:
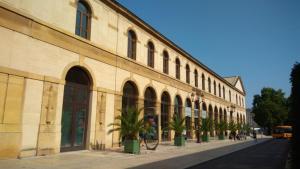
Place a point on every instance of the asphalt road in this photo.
(269, 155)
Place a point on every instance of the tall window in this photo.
(203, 81)
(187, 73)
(196, 78)
(178, 106)
(150, 54)
(149, 105)
(166, 62)
(236, 99)
(131, 51)
(229, 95)
(223, 92)
(209, 85)
(83, 20)
(215, 88)
(177, 62)
(219, 87)
(130, 96)
(165, 115)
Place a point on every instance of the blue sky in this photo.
(256, 39)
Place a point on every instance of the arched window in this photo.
(209, 85)
(165, 62)
(150, 54)
(187, 73)
(223, 92)
(83, 20)
(150, 108)
(215, 88)
(178, 106)
(219, 87)
(165, 116)
(196, 115)
(177, 62)
(131, 51)
(204, 110)
(220, 115)
(149, 102)
(211, 117)
(203, 81)
(196, 78)
(130, 96)
(216, 116)
(229, 95)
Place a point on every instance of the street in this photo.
(268, 155)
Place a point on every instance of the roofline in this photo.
(119, 8)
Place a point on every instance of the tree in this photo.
(295, 114)
(270, 108)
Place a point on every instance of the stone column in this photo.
(172, 133)
(158, 113)
(99, 143)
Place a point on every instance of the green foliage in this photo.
(177, 124)
(295, 115)
(129, 124)
(206, 125)
(232, 126)
(222, 126)
(270, 108)
(246, 128)
(239, 126)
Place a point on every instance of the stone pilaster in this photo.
(50, 127)
(99, 143)
(117, 111)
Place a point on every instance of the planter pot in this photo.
(221, 137)
(205, 138)
(179, 141)
(131, 146)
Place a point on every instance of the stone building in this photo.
(68, 66)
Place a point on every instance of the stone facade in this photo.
(38, 47)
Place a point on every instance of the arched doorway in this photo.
(75, 110)
(165, 116)
(188, 118)
(178, 106)
(220, 115)
(150, 110)
(196, 115)
(130, 96)
(210, 115)
(149, 102)
(216, 120)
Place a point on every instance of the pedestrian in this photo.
(254, 135)
(234, 135)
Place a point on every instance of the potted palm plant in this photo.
(177, 124)
(206, 127)
(222, 126)
(129, 124)
(232, 129)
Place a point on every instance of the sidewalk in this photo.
(166, 156)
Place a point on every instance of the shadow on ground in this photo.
(192, 159)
